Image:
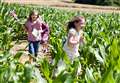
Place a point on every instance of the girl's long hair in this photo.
(31, 13)
(70, 25)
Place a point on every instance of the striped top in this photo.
(38, 26)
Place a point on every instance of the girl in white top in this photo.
(75, 37)
(71, 46)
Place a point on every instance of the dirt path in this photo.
(22, 46)
(68, 5)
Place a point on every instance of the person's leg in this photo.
(36, 48)
(79, 69)
(77, 55)
(31, 48)
(61, 65)
(31, 51)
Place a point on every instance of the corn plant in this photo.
(99, 56)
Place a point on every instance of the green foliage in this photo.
(100, 57)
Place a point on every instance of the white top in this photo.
(37, 33)
(73, 51)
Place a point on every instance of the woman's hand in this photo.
(72, 40)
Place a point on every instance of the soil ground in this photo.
(69, 5)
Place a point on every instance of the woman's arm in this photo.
(72, 39)
(28, 28)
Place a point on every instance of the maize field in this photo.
(99, 55)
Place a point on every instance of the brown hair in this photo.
(32, 13)
(70, 25)
(75, 19)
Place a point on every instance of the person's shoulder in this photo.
(72, 31)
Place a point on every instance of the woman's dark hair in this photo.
(70, 25)
(31, 13)
(76, 19)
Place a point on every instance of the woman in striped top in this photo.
(38, 32)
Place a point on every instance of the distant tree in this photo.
(86, 1)
(117, 2)
(99, 2)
